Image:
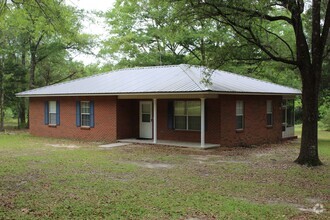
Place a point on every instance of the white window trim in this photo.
(269, 113)
(185, 115)
(239, 114)
(81, 114)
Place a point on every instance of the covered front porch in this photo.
(147, 119)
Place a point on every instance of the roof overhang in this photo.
(205, 94)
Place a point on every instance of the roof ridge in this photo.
(146, 67)
(191, 76)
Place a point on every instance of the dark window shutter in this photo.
(91, 103)
(170, 115)
(78, 114)
(46, 114)
(57, 112)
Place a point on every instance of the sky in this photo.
(101, 5)
(96, 27)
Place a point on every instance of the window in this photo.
(146, 112)
(52, 113)
(187, 115)
(85, 114)
(269, 113)
(239, 115)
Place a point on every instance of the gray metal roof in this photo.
(160, 79)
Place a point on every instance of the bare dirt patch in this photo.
(153, 165)
(7, 201)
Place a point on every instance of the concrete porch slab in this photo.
(169, 143)
(114, 145)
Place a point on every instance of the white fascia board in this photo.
(155, 94)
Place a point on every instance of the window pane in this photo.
(239, 107)
(146, 108)
(193, 108)
(85, 120)
(52, 118)
(180, 122)
(194, 123)
(269, 119)
(52, 106)
(239, 122)
(269, 106)
(179, 108)
(145, 117)
(85, 107)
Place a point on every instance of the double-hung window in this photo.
(239, 115)
(269, 113)
(85, 114)
(52, 113)
(187, 115)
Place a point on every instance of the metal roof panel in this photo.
(162, 79)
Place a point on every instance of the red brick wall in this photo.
(110, 112)
(255, 130)
(127, 118)
(212, 134)
(221, 122)
(104, 112)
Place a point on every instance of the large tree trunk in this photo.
(309, 144)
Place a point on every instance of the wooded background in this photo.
(284, 42)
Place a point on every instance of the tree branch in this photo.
(67, 77)
(254, 40)
(252, 13)
(191, 51)
(326, 27)
(281, 39)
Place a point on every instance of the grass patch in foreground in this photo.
(52, 178)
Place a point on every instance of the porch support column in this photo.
(155, 120)
(202, 122)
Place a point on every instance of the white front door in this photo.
(145, 119)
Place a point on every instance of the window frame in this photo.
(186, 114)
(50, 112)
(84, 113)
(239, 106)
(269, 112)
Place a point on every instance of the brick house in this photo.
(164, 103)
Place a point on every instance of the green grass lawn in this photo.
(51, 178)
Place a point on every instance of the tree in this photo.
(145, 32)
(252, 21)
(37, 39)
